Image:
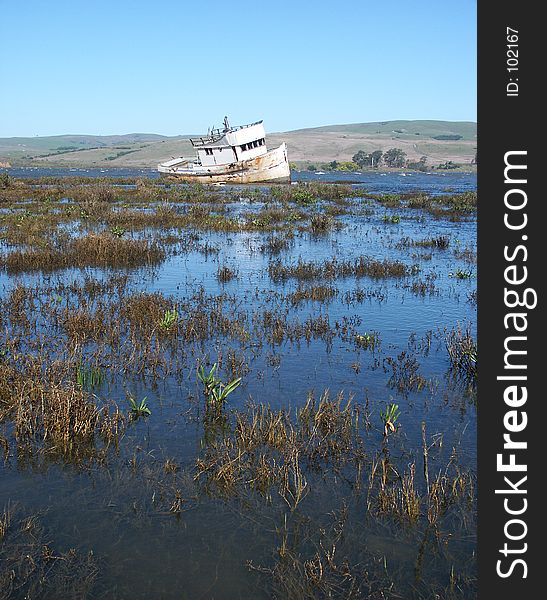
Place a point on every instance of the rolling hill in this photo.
(439, 141)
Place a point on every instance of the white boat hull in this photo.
(271, 166)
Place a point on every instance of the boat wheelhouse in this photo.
(231, 155)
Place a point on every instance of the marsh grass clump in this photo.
(169, 320)
(278, 328)
(420, 201)
(5, 181)
(469, 255)
(59, 419)
(462, 351)
(145, 311)
(367, 341)
(216, 392)
(99, 192)
(301, 270)
(199, 213)
(280, 453)
(405, 373)
(138, 409)
(321, 223)
(316, 293)
(442, 242)
(464, 202)
(267, 218)
(88, 377)
(393, 494)
(209, 379)
(423, 287)
(225, 274)
(461, 274)
(379, 269)
(92, 250)
(337, 192)
(390, 415)
(275, 244)
(20, 303)
(450, 487)
(50, 414)
(118, 231)
(330, 269)
(329, 427)
(25, 229)
(309, 193)
(300, 194)
(267, 450)
(387, 200)
(104, 250)
(447, 206)
(83, 324)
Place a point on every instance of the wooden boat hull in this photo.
(273, 166)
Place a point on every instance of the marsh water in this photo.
(147, 515)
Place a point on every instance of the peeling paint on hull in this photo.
(272, 166)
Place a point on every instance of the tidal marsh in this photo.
(261, 383)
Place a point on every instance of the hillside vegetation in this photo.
(438, 141)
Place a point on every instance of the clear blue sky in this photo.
(174, 67)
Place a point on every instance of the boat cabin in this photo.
(231, 144)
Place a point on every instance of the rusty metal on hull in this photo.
(231, 155)
(272, 166)
(233, 179)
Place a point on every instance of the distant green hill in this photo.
(51, 143)
(439, 141)
(466, 129)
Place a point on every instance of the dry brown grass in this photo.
(331, 269)
(226, 274)
(91, 250)
(269, 449)
(317, 293)
(52, 414)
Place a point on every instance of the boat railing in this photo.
(217, 134)
(213, 137)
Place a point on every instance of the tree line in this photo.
(392, 158)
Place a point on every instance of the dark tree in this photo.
(376, 157)
(395, 157)
(418, 166)
(361, 158)
(367, 160)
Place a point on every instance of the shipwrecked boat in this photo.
(231, 155)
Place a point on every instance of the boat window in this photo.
(209, 151)
(243, 147)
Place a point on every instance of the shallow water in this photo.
(117, 510)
